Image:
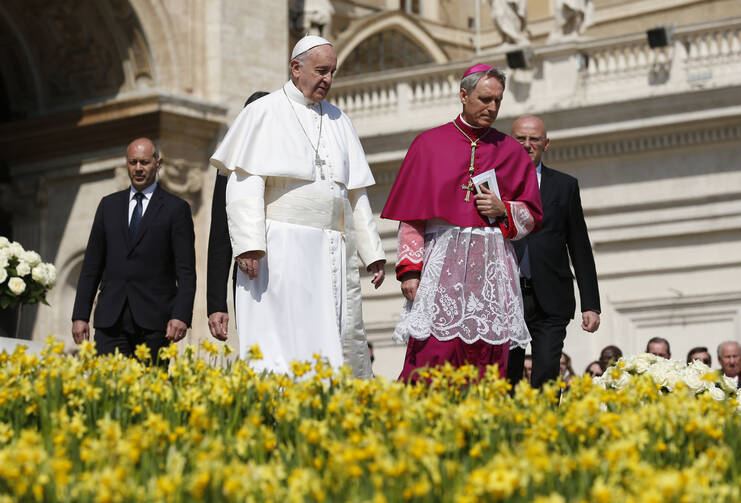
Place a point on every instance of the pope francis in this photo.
(300, 221)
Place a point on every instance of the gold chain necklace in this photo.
(469, 188)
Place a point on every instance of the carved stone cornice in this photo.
(109, 125)
(644, 142)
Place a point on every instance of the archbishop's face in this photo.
(314, 77)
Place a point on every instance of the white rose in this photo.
(31, 257)
(694, 381)
(717, 393)
(4, 242)
(15, 249)
(672, 379)
(3, 275)
(4, 261)
(39, 274)
(16, 286)
(623, 381)
(729, 382)
(641, 365)
(23, 269)
(5, 253)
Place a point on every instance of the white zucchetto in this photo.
(308, 42)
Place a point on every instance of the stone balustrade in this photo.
(571, 74)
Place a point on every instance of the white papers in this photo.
(487, 179)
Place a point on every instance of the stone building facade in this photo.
(652, 133)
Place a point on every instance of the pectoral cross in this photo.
(319, 163)
(469, 188)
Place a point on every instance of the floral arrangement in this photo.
(669, 375)
(24, 279)
(111, 429)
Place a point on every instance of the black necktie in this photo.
(136, 217)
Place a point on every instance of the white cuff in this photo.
(245, 212)
(370, 248)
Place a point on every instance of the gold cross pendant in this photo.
(468, 188)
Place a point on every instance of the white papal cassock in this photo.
(312, 220)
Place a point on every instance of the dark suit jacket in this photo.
(155, 270)
(563, 230)
(219, 251)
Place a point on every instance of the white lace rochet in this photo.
(469, 289)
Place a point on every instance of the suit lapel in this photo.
(154, 206)
(123, 204)
(546, 186)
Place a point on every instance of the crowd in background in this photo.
(729, 359)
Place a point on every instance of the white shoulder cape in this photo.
(266, 139)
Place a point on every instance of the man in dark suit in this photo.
(545, 277)
(141, 254)
(220, 258)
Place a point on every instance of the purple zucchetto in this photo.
(479, 67)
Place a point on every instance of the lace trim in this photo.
(411, 243)
(523, 220)
(469, 289)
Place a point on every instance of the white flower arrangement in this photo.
(695, 376)
(24, 278)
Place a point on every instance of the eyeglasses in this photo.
(532, 139)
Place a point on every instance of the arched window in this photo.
(386, 50)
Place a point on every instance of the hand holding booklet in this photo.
(487, 179)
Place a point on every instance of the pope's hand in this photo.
(249, 263)
(590, 321)
(409, 285)
(218, 324)
(376, 269)
(489, 205)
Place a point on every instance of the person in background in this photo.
(220, 256)
(545, 275)
(566, 371)
(700, 353)
(660, 347)
(527, 368)
(141, 254)
(729, 357)
(608, 356)
(594, 369)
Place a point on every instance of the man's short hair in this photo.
(653, 340)
(720, 346)
(469, 82)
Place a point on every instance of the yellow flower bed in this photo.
(109, 429)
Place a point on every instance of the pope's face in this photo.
(314, 77)
(481, 106)
(141, 163)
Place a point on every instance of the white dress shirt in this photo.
(145, 201)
